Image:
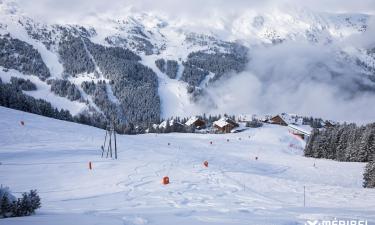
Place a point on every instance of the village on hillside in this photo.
(297, 125)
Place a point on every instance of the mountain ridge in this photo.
(125, 54)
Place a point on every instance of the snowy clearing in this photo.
(44, 92)
(52, 156)
(175, 100)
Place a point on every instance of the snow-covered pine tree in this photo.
(5, 207)
(342, 143)
(167, 128)
(309, 146)
(369, 175)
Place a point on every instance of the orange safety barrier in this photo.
(165, 180)
(205, 163)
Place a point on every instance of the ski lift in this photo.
(111, 134)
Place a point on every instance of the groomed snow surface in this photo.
(52, 156)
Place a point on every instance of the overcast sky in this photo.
(74, 9)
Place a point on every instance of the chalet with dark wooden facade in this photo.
(225, 125)
(278, 120)
(197, 122)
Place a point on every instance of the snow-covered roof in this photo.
(163, 124)
(222, 122)
(329, 122)
(191, 121)
(291, 118)
(305, 129)
(171, 123)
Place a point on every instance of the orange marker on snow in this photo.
(165, 180)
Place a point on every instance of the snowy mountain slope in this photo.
(51, 156)
(123, 52)
(43, 92)
(298, 23)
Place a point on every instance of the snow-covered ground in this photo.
(52, 156)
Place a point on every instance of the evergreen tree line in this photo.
(169, 67)
(172, 126)
(65, 88)
(313, 122)
(24, 85)
(140, 44)
(24, 206)
(254, 123)
(347, 142)
(134, 85)
(199, 64)
(12, 97)
(21, 56)
(192, 74)
(98, 92)
(369, 175)
(74, 56)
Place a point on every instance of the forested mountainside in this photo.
(139, 72)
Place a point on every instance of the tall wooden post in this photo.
(110, 143)
(115, 146)
(304, 196)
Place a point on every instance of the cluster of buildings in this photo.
(294, 123)
(223, 125)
